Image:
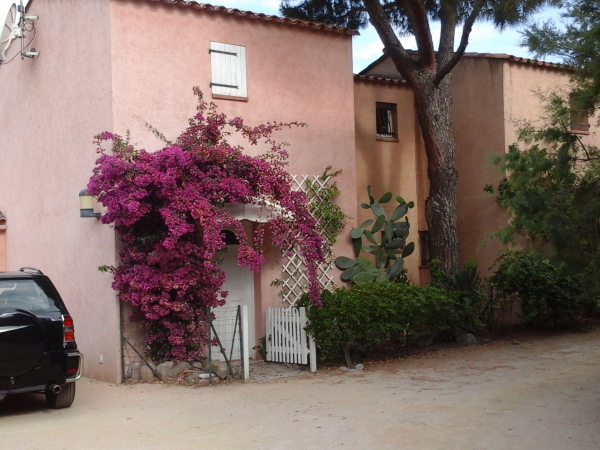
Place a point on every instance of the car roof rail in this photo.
(31, 270)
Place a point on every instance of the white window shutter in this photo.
(228, 66)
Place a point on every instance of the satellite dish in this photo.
(8, 31)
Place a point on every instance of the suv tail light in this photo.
(68, 329)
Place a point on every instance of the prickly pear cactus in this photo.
(384, 238)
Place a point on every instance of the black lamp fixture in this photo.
(86, 205)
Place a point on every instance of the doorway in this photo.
(239, 284)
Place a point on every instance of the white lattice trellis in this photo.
(295, 279)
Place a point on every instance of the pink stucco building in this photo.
(105, 64)
(115, 65)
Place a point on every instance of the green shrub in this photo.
(542, 289)
(374, 313)
(468, 288)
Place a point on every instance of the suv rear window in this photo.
(31, 295)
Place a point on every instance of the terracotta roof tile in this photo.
(379, 79)
(517, 59)
(257, 16)
(510, 58)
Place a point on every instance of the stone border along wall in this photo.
(183, 372)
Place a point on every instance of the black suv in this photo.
(37, 340)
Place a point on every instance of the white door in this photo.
(240, 287)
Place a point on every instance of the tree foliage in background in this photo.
(426, 72)
(552, 194)
(167, 207)
(544, 290)
(575, 39)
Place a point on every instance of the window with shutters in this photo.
(386, 121)
(228, 67)
(580, 120)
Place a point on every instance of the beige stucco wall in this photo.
(489, 95)
(479, 133)
(478, 116)
(522, 84)
(51, 107)
(388, 165)
(383, 68)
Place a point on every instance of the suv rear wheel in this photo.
(63, 399)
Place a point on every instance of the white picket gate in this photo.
(287, 340)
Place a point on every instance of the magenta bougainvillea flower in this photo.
(168, 208)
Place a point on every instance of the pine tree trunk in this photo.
(434, 110)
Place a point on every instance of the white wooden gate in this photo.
(287, 340)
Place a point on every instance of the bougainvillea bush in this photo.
(167, 207)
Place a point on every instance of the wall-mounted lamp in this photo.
(86, 205)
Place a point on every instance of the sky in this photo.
(367, 47)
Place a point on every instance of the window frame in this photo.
(388, 112)
(580, 118)
(580, 122)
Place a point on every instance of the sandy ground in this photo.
(542, 393)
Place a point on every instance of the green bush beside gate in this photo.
(374, 313)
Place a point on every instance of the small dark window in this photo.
(386, 121)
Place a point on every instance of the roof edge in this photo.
(373, 64)
(501, 56)
(318, 26)
(380, 79)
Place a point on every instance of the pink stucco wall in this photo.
(159, 52)
(2, 241)
(51, 107)
(101, 63)
(2, 250)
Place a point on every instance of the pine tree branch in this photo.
(407, 67)
(417, 15)
(448, 20)
(464, 41)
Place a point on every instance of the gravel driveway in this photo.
(540, 393)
